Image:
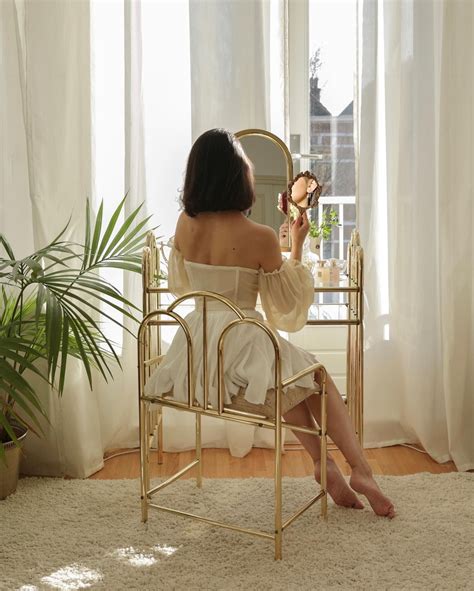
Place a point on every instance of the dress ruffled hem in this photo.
(249, 360)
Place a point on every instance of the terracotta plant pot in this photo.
(10, 469)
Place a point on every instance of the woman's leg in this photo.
(342, 432)
(337, 486)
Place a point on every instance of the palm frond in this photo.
(52, 307)
(6, 245)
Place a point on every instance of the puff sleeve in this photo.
(286, 295)
(178, 282)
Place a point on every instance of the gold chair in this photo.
(148, 340)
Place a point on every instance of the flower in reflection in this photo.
(72, 577)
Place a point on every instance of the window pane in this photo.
(332, 55)
(349, 224)
(332, 45)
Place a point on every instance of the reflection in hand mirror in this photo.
(270, 174)
(304, 191)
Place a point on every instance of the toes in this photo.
(391, 512)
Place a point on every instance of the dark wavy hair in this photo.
(219, 176)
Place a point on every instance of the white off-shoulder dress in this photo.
(285, 294)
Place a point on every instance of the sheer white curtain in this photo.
(237, 82)
(237, 65)
(96, 101)
(142, 134)
(46, 160)
(79, 79)
(416, 220)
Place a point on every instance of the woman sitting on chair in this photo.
(217, 248)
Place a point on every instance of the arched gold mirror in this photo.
(273, 171)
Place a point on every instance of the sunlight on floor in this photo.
(145, 558)
(72, 577)
(165, 550)
(133, 557)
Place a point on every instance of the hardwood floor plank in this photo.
(259, 463)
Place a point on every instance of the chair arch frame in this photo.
(157, 318)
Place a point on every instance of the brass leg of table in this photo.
(360, 385)
(198, 451)
(159, 435)
(278, 488)
(144, 443)
(324, 414)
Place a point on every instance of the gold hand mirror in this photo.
(304, 191)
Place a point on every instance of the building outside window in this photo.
(322, 81)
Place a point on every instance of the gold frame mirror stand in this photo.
(286, 245)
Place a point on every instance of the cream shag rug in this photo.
(70, 534)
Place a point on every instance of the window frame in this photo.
(299, 123)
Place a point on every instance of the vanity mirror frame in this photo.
(289, 167)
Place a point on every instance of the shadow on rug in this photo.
(71, 534)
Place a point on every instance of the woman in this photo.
(217, 248)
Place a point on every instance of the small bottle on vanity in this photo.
(334, 272)
(322, 272)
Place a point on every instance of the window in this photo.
(322, 58)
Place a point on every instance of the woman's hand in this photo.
(299, 231)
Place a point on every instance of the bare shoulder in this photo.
(182, 220)
(268, 247)
(260, 230)
(181, 225)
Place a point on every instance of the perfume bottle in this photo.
(322, 273)
(334, 271)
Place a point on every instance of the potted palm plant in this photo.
(52, 304)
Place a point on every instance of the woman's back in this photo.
(227, 239)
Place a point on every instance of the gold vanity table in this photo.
(274, 174)
(348, 313)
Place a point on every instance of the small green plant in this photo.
(329, 220)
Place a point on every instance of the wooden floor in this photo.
(218, 463)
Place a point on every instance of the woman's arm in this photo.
(299, 231)
(269, 249)
(270, 258)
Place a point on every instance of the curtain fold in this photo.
(237, 82)
(415, 216)
(76, 124)
(155, 137)
(51, 45)
(237, 66)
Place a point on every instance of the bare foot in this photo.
(337, 486)
(363, 482)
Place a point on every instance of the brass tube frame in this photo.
(255, 132)
(276, 424)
